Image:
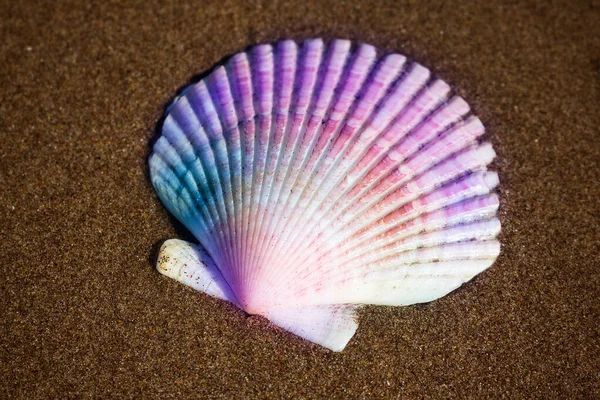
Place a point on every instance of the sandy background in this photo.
(83, 313)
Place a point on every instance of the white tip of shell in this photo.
(439, 87)
(491, 179)
(192, 266)
(420, 71)
(167, 264)
(367, 51)
(287, 44)
(459, 104)
(396, 59)
(487, 153)
(474, 124)
(341, 44)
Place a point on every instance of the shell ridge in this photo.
(386, 183)
(262, 193)
(248, 165)
(388, 266)
(208, 160)
(328, 97)
(410, 184)
(402, 129)
(263, 79)
(374, 240)
(366, 162)
(412, 222)
(410, 171)
(356, 71)
(220, 91)
(267, 215)
(367, 109)
(173, 132)
(207, 112)
(358, 67)
(307, 71)
(171, 192)
(472, 162)
(207, 153)
(190, 188)
(411, 237)
(257, 201)
(409, 133)
(389, 286)
(322, 194)
(466, 187)
(312, 220)
(307, 138)
(174, 184)
(240, 82)
(286, 60)
(302, 154)
(316, 220)
(203, 152)
(482, 230)
(483, 248)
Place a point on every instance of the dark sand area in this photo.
(85, 314)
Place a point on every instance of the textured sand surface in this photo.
(85, 314)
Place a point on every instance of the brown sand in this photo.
(84, 313)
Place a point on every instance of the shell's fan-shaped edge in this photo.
(319, 177)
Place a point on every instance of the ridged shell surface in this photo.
(318, 177)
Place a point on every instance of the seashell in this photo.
(321, 177)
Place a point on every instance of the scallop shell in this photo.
(320, 177)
